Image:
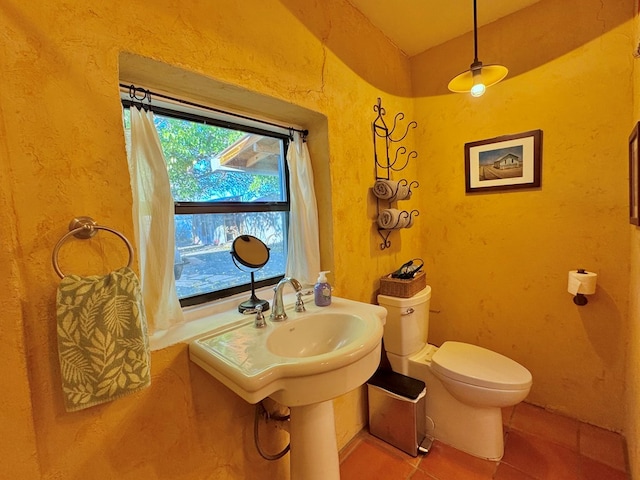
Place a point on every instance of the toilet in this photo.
(467, 385)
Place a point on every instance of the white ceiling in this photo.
(417, 25)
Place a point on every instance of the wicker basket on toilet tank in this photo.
(397, 287)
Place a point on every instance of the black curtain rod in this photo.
(139, 94)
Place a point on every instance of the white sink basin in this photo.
(317, 334)
(311, 357)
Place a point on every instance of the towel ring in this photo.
(84, 228)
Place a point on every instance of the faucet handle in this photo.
(260, 322)
(299, 303)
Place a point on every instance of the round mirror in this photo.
(250, 251)
(252, 254)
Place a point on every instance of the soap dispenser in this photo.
(322, 291)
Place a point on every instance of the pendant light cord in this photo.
(475, 31)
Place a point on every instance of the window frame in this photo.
(190, 208)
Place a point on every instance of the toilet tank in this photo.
(407, 324)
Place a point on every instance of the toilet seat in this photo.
(478, 366)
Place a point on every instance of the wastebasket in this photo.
(397, 411)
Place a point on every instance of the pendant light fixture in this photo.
(478, 77)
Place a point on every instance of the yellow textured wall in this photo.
(63, 155)
(17, 435)
(498, 262)
(632, 393)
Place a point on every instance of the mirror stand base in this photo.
(250, 305)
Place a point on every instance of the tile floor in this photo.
(538, 446)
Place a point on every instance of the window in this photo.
(227, 179)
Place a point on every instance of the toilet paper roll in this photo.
(581, 281)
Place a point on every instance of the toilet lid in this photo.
(478, 366)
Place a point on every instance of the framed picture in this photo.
(504, 163)
(634, 171)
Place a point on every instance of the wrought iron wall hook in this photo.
(409, 156)
(401, 183)
(389, 157)
(386, 243)
(403, 218)
(400, 116)
(379, 109)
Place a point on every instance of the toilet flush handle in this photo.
(408, 311)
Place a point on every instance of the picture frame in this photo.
(634, 176)
(504, 163)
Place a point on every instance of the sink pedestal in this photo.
(314, 451)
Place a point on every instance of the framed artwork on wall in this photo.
(504, 163)
(634, 180)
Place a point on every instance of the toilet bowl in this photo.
(467, 385)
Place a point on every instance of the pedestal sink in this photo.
(303, 363)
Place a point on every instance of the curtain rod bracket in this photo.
(303, 134)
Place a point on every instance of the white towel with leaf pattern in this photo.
(103, 346)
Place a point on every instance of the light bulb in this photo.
(478, 88)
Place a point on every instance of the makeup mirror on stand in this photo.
(250, 254)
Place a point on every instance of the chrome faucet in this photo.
(277, 313)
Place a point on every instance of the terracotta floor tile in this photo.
(507, 472)
(602, 445)
(594, 470)
(393, 450)
(541, 458)
(537, 421)
(351, 446)
(539, 445)
(373, 461)
(420, 475)
(446, 463)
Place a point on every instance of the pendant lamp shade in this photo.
(479, 76)
(491, 74)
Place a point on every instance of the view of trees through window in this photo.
(225, 182)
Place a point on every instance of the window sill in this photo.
(200, 319)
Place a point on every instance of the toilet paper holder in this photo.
(580, 299)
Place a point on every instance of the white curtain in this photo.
(153, 212)
(303, 256)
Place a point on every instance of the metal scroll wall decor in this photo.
(391, 156)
